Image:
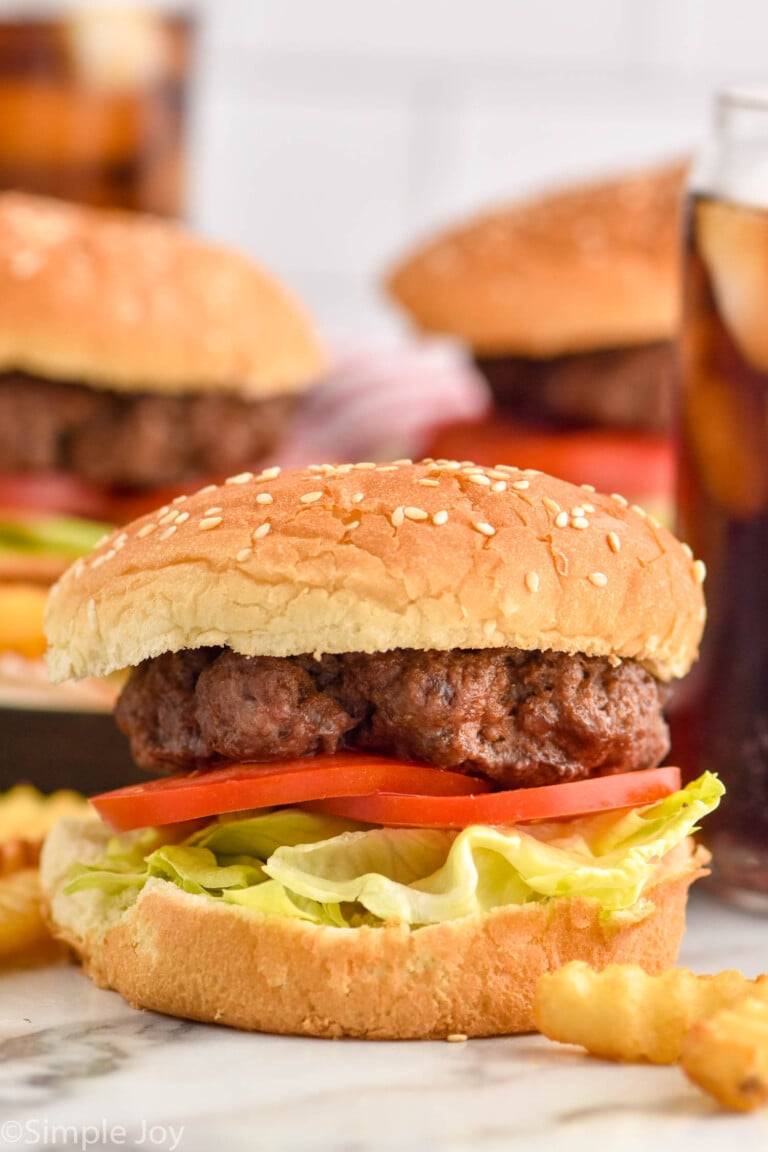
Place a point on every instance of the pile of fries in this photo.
(715, 1027)
(26, 816)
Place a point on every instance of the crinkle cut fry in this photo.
(623, 1013)
(727, 1054)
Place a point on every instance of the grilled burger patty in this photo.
(628, 387)
(135, 439)
(519, 718)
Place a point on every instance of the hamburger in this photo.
(413, 715)
(137, 361)
(569, 303)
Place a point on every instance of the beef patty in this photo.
(614, 387)
(516, 717)
(135, 439)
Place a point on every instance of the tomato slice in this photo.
(208, 792)
(554, 801)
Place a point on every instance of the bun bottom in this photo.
(187, 956)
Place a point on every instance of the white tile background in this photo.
(330, 134)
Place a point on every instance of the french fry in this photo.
(624, 1014)
(23, 933)
(727, 1054)
(26, 816)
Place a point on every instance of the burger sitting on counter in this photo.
(136, 361)
(407, 720)
(570, 304)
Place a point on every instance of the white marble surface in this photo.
(80, 1069)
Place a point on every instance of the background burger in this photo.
(136, 361)
(570, 304)
(414, 713)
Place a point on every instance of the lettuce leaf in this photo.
(337, 872)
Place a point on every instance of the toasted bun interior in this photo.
(129, 302)
(187, 956)
(367, 558)
(593, 266)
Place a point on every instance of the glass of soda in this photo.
(94, 101)
(721, 720)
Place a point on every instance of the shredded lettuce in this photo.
(293, 863)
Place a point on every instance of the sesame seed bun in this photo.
(588, 267)
(367, 558)
(475, 976)
(132, 303)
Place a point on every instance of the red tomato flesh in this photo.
(372, 789)
(236, 787)
(552, 802)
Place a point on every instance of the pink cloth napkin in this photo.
(384, 403)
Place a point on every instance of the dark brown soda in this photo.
(720, 722)
(63, 134)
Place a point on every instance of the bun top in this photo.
(594, 266)
(129, 302)
(370, 557)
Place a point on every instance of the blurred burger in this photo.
(136, 361)
(570, 304)
(414, 714)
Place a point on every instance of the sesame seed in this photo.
(588, 507)
(241, 478)
(208, 488)
(397, 517)
(386, 468)
(532, 581)
(209, 522)
(182, 518)
(688, 550)
(120, 541)
(415, 514)
(262, 530)
(440, 517)
(343, 469)
(179, 499)
(599, 579)
(211, 511)
(499, 486)
(550, 504)
(485, 529)
(479, 478)
(521, 485)
(167, 532)
(99, 560)
(561, 520)
(640, 511)
(469, 469)
(588, 487)
(428, 482)
(622, 500)
(311, 497)
(243, 555)
(404, 460)
(577, 511)
(168, 518)
(160, 512)
(580, 522)
(496, 474)
(147, 530)
(352, 524)
(270, 473)
(613, 542)
(264, 498)
(699, 571)
(456, 1037)
(365, 466)
(358, 496)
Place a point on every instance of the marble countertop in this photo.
(80, 1069)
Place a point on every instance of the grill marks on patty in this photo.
(519, 718)
(136, 439)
